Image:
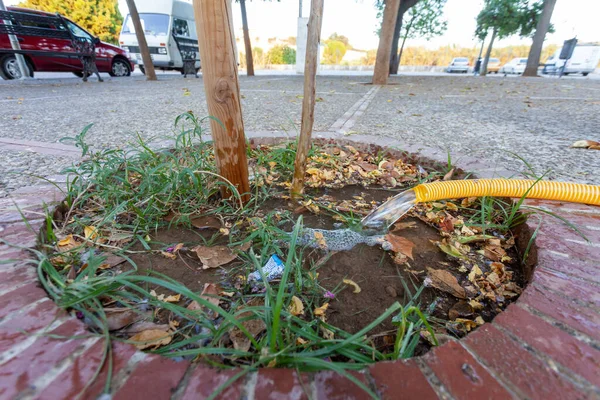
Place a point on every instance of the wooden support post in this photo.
(382, 62)
(214, 23)
(308, 103)
(141, 38)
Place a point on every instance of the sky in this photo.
(357, 20)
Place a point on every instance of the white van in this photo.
(170, 31)
(584, 60)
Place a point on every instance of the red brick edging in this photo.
(546, 345)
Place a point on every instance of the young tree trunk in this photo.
(315, 22)
(404, 41)
(247, 43)
(141, 38)
(405, 5)
(484, 64)
(214, 24)
(382, 62)
(533, 60)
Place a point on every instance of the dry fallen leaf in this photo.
(353, 284)
(467, 323)
(475, 272)
(254, 326)
(448, 176)
(320, 311)
(206, 222)
(403, 225)
(121, 318)
(446, 282)
(585, 144)
(400, 245)
(140, 326)
(151, 338)
(173, 298)
(296, 307)
(68, 243)
(90, 232)
(168, 255)
(210, 293)
(215, 256)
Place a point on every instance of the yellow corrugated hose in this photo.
(396, 207)
(547, 190)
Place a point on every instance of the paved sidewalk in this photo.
(537, 119)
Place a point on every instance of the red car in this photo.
(109, 58)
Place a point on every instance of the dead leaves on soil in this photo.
(151, 338)
(401, 247)
(446, 282)
(215, 256)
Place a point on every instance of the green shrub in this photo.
(281, 54)
(334, 52)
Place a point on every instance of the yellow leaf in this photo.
(320, 311)
(173, 298)
(169, 255)
(300, 341)
(476, 305)
(90, 232)
(475, 272)
(272, 363)
(68, 243)
(296, 307)
(467, 323)
(479, 320)
(151, 338)
(353, 284)
(313, 171)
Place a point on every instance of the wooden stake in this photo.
(141, 38)
(308, 103)
(214, 23)
(382, 62)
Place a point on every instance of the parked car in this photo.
(52, 55)
(584, 60)
(493, 65)
(458, 64)
(514, 66)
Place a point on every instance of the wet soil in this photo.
(382, 281)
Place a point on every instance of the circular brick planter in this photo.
(545, 345)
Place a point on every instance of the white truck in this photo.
(584, 60)
(170, 31)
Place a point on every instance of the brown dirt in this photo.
(372, 268)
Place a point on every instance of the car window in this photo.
(77, 31)
(494, 60)
(523, 61)
(154, 24)
(461, 59)
(180, 28)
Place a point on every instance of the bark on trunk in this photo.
(315, 22)
(141, 38)
(487, 54)
(382, 62)
(533, 60)
(247, 43)
(405, 5)
(404, 42)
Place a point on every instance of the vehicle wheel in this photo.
(585, 73)
(9, 69)
(142, 69)
(78, 74)
(120, 68)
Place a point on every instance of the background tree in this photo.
(543, 27)
(334, 52)
(247, 42)
(405, 5)
(340, 38)
(505, 18)
(424, 20)
(100, 17)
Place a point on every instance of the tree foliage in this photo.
(340, 38)
(281, 54)
(99, 17)
(508, 17)
(424, 20)
(334, 52)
